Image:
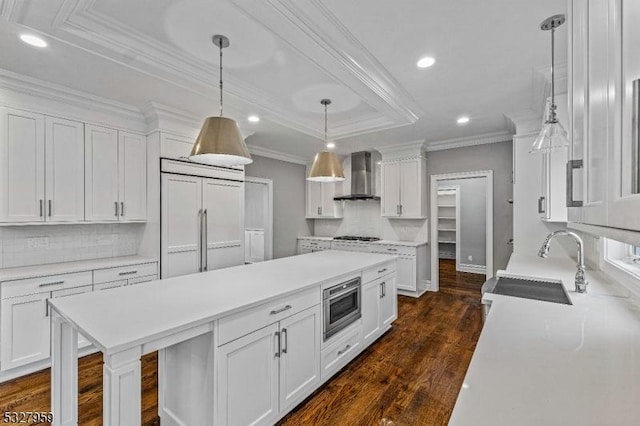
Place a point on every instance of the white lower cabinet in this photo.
(25, 330)
(269, 370)
(25, 321)
(379, 309)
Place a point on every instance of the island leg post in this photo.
(64, 373)
(122, 388)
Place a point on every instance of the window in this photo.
(622, 262)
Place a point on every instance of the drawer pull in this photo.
(50, 284)
(344, 350)
(382, 270)
(277, 311)
(392, 249)
(128, 273)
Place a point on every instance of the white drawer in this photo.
(245, 322)
(145, 279)
(45, 284)
(124, 272)
(338, 354)
(319, 245)
(391, 249)
(112, 284)
(378, 272)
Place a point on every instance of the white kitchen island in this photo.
(241, 345)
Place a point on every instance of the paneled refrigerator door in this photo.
(223, 210)
(181, 223)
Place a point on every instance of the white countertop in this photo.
(387, 242)
(70, 267)
(540, 363)
(120, 318)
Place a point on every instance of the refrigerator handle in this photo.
(205, 248)
(200, 240)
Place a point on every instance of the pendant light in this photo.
(552, 135)
(326, 166)
(220, 142)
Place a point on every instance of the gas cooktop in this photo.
(356, 238)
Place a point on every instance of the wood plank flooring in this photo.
(411, 376)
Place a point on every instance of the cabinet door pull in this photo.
(128, 273)
(320, 210)
(346, 348)
(392, 249)
(50, 208)
(540, 204)
(46, 307)
(200, 240)
(121, 208)
(116, 206)
(286, 341)
(40, 208)
(571, 166)
(277, 311)
(206, 241)
(278, 339)
(381, 290)
(382, 270)
(400, 209)
(51, 284)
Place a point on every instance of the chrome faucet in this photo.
(581, 282)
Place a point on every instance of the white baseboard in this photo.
(473, 269)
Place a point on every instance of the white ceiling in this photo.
(286, 55)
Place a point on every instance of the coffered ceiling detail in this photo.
(310, 40)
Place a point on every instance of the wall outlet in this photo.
(38, 242)
(470, 258)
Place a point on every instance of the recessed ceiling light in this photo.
(426, 62)
(33, 40)
(463, 120)
(331, 145)
(253, 118)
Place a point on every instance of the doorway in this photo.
(258, 219)
(462, 224)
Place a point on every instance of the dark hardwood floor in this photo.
(411, 376)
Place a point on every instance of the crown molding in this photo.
(523, 121)
(167, 118)
(50, 98)
(277, 155)
(78, 23)
(485, 139)
(413, 148)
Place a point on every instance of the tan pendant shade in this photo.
(220, 143)
(326, 168)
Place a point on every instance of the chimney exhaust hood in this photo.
(362, 178)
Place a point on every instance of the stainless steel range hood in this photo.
(362, 178)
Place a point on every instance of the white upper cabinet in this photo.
(101, 178)
(64, 170)
(604, 159)
(320, 203)
(43, 164)
(132, 152)
(115, 175)
(22, 147)
(624, 186)
(403, 188)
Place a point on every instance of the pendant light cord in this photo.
(552, 112)
(220, 45)
(325, 123)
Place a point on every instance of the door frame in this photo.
(268, 214)
(433, 200)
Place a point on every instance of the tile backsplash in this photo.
(360, 218)
(363, 218)
(42, 244)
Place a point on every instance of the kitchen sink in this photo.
(548, 291)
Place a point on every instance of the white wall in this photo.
(43, 244)
(473, 214)
(289, 186)
(499, 158)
